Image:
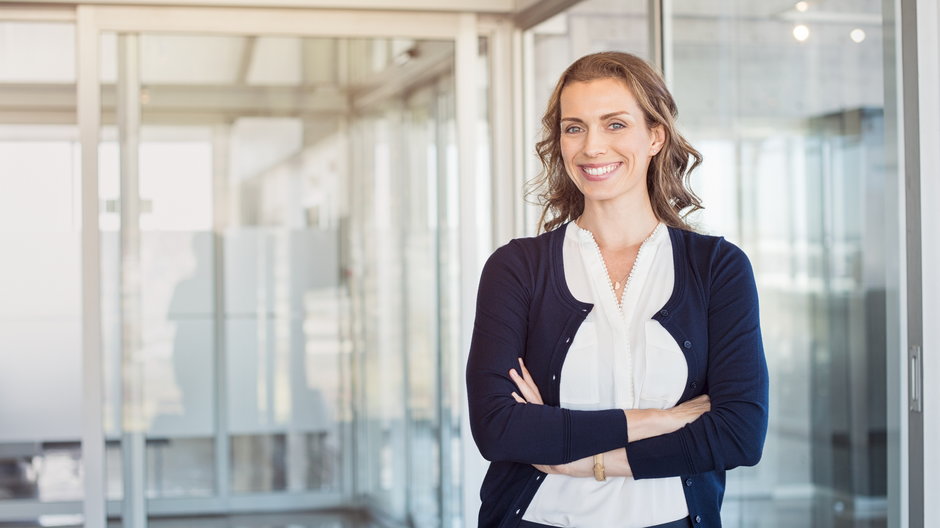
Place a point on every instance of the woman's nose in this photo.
(594, 144)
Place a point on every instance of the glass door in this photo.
(271, 263)
(223, 177)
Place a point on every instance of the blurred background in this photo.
(240, 245)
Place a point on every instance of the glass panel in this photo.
(268, 270)
(284, 239)
(40, 237)
(284, 353)
(160, 393)
(786, 107)
(420, 286)
(405, 176)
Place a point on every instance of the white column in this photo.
(466, 82)
(133, 428)
(89, 121)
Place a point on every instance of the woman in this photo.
(616, 367)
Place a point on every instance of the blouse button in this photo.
(687, 344)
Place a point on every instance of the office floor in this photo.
(292, 520)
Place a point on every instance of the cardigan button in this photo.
(693, 385)
(687, 344)
(567, 340)
(688, 482)
(698, 519)
(553, 377)
(664, 313)
(520, 509)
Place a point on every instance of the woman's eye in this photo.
(617, 126)
(572, 129)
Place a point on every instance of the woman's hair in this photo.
(669, 170)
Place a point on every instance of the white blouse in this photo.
(620, 359)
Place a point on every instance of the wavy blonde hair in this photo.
(668, 176)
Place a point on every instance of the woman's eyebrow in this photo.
(605, 116)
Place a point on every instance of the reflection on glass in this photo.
(402, 257)
(176, 354)
(793, 139)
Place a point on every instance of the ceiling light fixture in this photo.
(801, 32)
(802, 6)
(857, 35)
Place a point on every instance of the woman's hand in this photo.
(530, 393)
(687, 412)
(647, 423)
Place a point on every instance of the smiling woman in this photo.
(616, 369)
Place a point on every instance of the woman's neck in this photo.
(618, 227)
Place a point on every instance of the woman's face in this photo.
(605, 143)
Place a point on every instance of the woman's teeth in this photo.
(600, 171)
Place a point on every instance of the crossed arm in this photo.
(721, 432)
(644, 423)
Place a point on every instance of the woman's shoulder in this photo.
(707, 249)
(698, 241)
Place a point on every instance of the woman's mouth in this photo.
(598, 172)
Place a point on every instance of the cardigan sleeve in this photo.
(503, 429)
(732, 433)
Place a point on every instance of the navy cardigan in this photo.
(524, 308)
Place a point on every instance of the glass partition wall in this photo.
(277, 265)
(288, 250)
(787, 108)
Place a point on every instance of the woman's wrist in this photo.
(646, 423)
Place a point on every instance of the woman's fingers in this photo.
(530, 382)
(689, 411)
(530, 395)
(702, 403)
(518, 398)
(527, 388)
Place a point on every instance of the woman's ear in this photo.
(658, 139)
